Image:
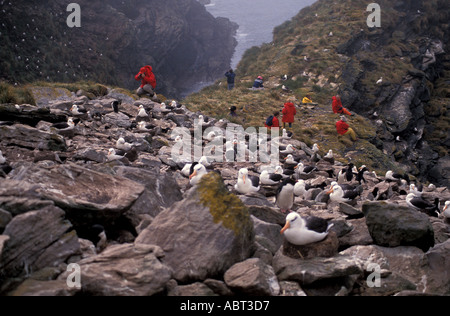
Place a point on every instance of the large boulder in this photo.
(161, 190)
(38, 239)
(31, 138)
(17, 197)
(204, 234)
(124, 270)
(393, 225)
(83, 192)
(439, 264)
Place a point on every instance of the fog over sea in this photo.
(256, 19)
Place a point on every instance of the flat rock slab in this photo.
(76, 188)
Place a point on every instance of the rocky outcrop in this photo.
(183, 43)
(409, 106)
(138, 227)
(141, 265)
(211, 235)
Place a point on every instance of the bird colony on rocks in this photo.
(93, 182)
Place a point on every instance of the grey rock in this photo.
(194, 289)
(161, 190)
(204, 234)
(359, 235)
(124, 270)
(17, 197)
(38, 239)
(252, 277)
(84, 192)
(31, 287)
(438, 280)
(32, 138)
(394, 225)
(5, 218)
(268, 230)
(309, 271)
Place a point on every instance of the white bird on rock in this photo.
(2, 159)
(418, 203)
(329, 157)
(76, 111)
(446, 210)
(197, 174)
(380, 80)
(142, 113)
(300, 232)
(112, 156)
(246, 184)
(270, 178)
(288, 150)
(300, 188)
(65, 126)
(123, 145)
(337, 194)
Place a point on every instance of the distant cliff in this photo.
(178, 38)
(329, 49)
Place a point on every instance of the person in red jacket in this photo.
(337, 106)
(148, 81)
(275, 121)
(344, 129)
(289, 112)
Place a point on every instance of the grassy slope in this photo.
(306, 35)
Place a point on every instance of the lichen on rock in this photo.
(224, 206)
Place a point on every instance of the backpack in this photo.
(269, 121)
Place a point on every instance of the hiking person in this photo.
(148, 81)
(343, 128)
(258, 84)
(307, 99)
(337, 106)
(272, 121)
(230, 79)
(289, 112)
(233, 111)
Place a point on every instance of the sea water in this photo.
(256, 19)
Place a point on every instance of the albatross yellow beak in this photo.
(331, 191)
(243, 178)
(193, 174)
(287, 226)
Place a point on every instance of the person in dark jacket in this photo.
(148, 81)
(275, 121)
(230, 78)
(259, 83)
(233, 111)
(289, 112)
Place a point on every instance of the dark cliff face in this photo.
(410, 107)
(181, 41)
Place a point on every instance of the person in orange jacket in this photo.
(338, 107)
(148, 81)
(289, 112)
(344, 129)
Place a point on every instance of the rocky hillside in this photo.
(133, 224)
(328, 49)
(182, 42)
